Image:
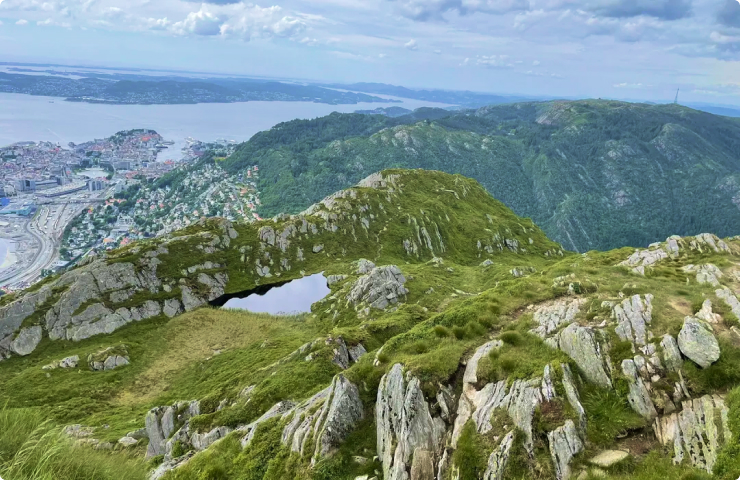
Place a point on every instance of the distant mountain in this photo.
(462, 98)
(147, 90)
(593, 174)
(388, 111)
(716, 109)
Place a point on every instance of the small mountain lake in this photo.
(292, 297)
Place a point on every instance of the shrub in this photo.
(512, 338)
(441, 331)
(459, 332)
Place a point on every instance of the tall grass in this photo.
(32, 448)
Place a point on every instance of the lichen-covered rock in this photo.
(341, 412)
(279, 409)
(730, 299)
(697, 342)
(633, 316)
(172, 307)
(404, 424)
(499, 458)
(708, 273)
(381, 287)
(638, 396)
(356, 352)
(470, 377)
(364, 266)
(671, 353)
(584, 346)
(697, 432)
(571, 393)
(26, 341)
(565, 444)
(707, 314)
(644, 258)
(551, 317)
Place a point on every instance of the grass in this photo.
(32, 448)
(608, 414)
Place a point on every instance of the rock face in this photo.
(564, 445)
(633, 317)
(109, 359)
(696, 432)
(551, 317)
(639, 396)
(698, 343)
(708, 273)
(584, 346)
(26, 341)
(160, 424)
(379, 288)
(405, 425)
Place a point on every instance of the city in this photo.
(59, 204)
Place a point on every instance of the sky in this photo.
(631, 49)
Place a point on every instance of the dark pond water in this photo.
(296, 296)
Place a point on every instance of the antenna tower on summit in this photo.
(675, 102)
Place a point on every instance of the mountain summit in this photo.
(457, 342)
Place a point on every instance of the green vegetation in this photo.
(32, 448)
(576, 168)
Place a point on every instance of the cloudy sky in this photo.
(641, 49)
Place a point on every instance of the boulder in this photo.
(26, 341)
(697, 342)
(730, 299)
(707, 314)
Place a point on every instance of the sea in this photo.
(34, 118)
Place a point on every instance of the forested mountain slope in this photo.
(457, 343)
(594, 174)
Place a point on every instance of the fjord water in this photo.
(30, 118)
(296, 296)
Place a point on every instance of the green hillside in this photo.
(593, 174)
(457, 342)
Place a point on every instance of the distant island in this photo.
(147, 90)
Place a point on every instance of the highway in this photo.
(47, 228)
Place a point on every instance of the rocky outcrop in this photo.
(381, 287)
(704, 242)
(161, 421)
(633, 317)
(565, 444)
(706, 313)
(404, 424)
(698, 343)
(708, 273)
(499, 458)
(68, 362)
(551, 317)
(697, 432)
(586, 347)
(638, 396)
(730, 299)
(109, 359)
(671, 353)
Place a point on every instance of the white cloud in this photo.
(490, 61)
(536, 63)
(201, 22)
(22, 22)
(438, 52)
(411, 45)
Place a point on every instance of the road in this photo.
(47, 228)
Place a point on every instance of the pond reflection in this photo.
(296, 296)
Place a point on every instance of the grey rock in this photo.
(609, 458)
(499, 458)
(127, 441)
(571, 392)
(172, 307)
(697, 342)
(279, 409)
(356, 352)
(190, 301)
(114, 362)
(707, 314)
(332, 279)
(341, 354)
(169, 465)
(548, 388)
(26, 341)
(471, 369)
(486, 263)
(380, 288)
(364, 266)
(69, 362)
(318, 248)
(344, 411)
(633, 316)
(583, 345)
(564, 445)
(671, 353)
(551, 317)
(730, 299)
(644, 258)
(404, 424)
(697, 432)
(422, 465)
(639, 396)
